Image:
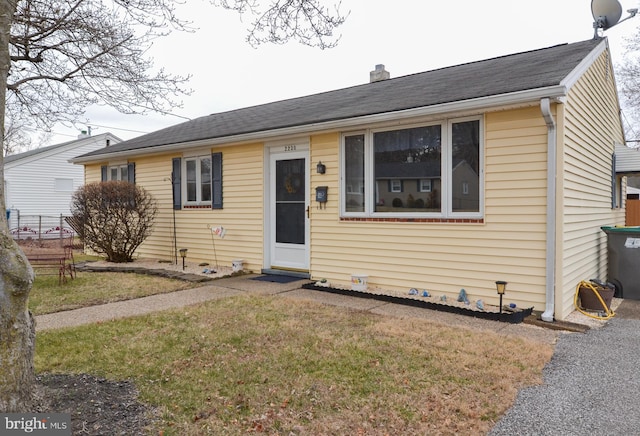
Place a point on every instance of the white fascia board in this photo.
(585, 64)
(555, 93)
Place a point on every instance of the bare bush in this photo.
(116, 217)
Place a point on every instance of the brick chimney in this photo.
(379, 74)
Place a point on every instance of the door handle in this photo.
(307, 212)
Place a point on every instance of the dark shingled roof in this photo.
(491, 77)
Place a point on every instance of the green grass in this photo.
(276, 365)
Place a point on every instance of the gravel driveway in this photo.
(591, 386)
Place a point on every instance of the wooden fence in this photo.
(633, 213)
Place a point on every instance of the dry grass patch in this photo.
(89, 289)
(273, 365)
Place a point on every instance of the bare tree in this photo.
(16, 135)
(59, 56)
(15, 139)
(628, 75)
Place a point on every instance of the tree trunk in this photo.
(17, 328)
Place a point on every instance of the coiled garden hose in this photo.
(608, 312)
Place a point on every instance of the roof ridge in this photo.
(511, 74)
(478, 61)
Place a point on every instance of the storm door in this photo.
(289, 211)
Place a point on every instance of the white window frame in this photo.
(119, 170)
(446, 209)
(396, 185)
(198, 159)
(425, 185)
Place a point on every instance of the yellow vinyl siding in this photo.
(242, 216)
(589, 122)
(154, 175)
(509, 242)
(92, 173)
(445, 257)
(323, 222)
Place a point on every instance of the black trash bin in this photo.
(623, 252)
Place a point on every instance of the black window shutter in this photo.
(103, 173)
(216, 180)
(175, 181)
(131, 172)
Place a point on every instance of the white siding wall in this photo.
(31, 180)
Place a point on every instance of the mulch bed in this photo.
(97, 406)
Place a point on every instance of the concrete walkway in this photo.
(232, 286)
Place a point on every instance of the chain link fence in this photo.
(38, 227)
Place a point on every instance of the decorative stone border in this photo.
(515, 317)
(196, 278)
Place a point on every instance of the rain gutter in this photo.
(476, 105)
(545, 107)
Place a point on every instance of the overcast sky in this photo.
(407, 36)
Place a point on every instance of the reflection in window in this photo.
(433, 170)
(425, 185)
(406, 161)
(119, 172)
(198, 179)
(290, 201)
(354, 173)
(465, 152)
(205, 179)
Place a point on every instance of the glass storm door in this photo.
(289, 202)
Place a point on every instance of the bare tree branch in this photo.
(85, 52)
(628, 75)
(79, 53)
(305, 21)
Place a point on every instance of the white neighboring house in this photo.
(40, 182)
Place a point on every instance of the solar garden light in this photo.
(501, 287)
(183, 255)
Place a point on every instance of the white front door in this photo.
(288, 209)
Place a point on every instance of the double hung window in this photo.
(121, 172)
(432, 170)
(198, 179)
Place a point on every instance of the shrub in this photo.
(116, 218)
(396, 202)
(411, 202)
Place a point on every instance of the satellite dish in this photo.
(606, 13)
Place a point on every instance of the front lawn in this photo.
(275, 365)
(90, 288)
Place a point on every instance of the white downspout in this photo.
(545, 107)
